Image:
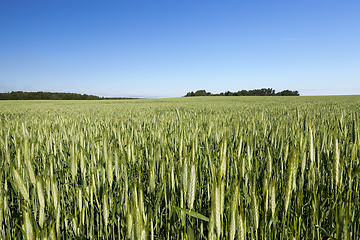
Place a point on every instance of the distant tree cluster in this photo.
(198, 93)
(20, 95)
(255, 92)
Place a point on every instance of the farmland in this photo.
(188, 168)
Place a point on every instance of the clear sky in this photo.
(168, 48)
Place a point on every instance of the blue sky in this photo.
(168, 48)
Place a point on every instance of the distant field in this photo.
(181, 168)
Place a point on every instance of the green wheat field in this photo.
(181, 168)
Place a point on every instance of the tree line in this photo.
(20, 95)
(255, 92)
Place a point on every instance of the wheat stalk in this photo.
(20, 184)
(192, 183)
(28, 226)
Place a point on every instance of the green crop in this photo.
(188, 168)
